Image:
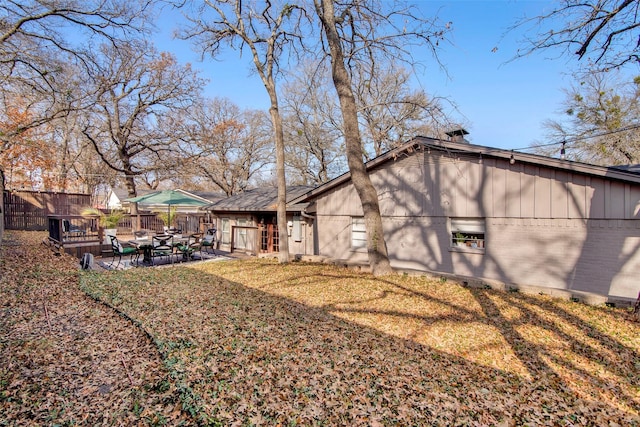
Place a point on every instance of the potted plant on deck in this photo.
(107, 221)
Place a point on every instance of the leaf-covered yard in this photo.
(257, 343)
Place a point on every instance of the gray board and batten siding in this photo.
(548, 223)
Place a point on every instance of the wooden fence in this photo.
(28, 210)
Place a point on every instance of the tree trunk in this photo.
(133, 207)
(1, 204)
(283, 239)
(636, 309)
(376, 245)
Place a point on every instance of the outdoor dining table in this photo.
(146, 245)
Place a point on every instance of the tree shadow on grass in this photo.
(246, 355)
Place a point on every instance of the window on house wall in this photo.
(358, 233)
(296, 233)
(226, 231)
(241, 236)
(468, 233)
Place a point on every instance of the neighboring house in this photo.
(518, 219)
(248, 221)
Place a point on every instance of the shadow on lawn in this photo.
(248, 355)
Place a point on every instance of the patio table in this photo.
(146, 245)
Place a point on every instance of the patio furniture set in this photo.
(162, 248)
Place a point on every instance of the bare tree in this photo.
(266, 32)
(314, 153)
(34, 41)
(602, 125)
(357, 33)
(390, 112)
(136, 91)
(604, 32)
(229, 146)
(35, 46)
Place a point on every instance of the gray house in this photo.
(510, 218)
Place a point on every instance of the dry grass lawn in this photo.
(257, 343)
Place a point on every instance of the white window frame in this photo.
(241, 233)
(358, 233)
(297, 229)
(225, 232)
(467, 234)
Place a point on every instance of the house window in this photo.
(468, 233)
(297, 229)
(226, 231)
(241, 236)
(358, 233)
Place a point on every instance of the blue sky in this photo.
(501, 102)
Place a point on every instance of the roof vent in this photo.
(457, 135)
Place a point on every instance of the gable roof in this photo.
(258, 199)
(629, 174)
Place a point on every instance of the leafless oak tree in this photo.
(137, 90)
(229, 146)
(266, 30)
(38, 39)
(391, 112)
(313, 129)
(37, 36)
(356, 33)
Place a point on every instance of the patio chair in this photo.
(171, 230)
(119, 250)
(209, 241)
(141, 234)
(162, 246)
(70, 230)
(191, 246)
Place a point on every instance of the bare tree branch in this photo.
(601, 30)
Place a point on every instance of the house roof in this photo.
(209, 195)
(258, 199)
(122, 193)
(620, 173)
(627, 168)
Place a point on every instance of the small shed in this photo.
(248, 221)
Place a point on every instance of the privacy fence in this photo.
(28, 210)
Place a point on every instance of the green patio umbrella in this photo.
(169, 198)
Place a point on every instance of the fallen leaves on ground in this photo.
(257, 343)
(66, 359)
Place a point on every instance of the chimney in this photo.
(457, 135)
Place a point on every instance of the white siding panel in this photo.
(559, 195)
(543, 194)
(596, 199)
(528, 191)
(617, 200)
(514, 191)
(499, 190)
(634, 202)
(577, 194)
